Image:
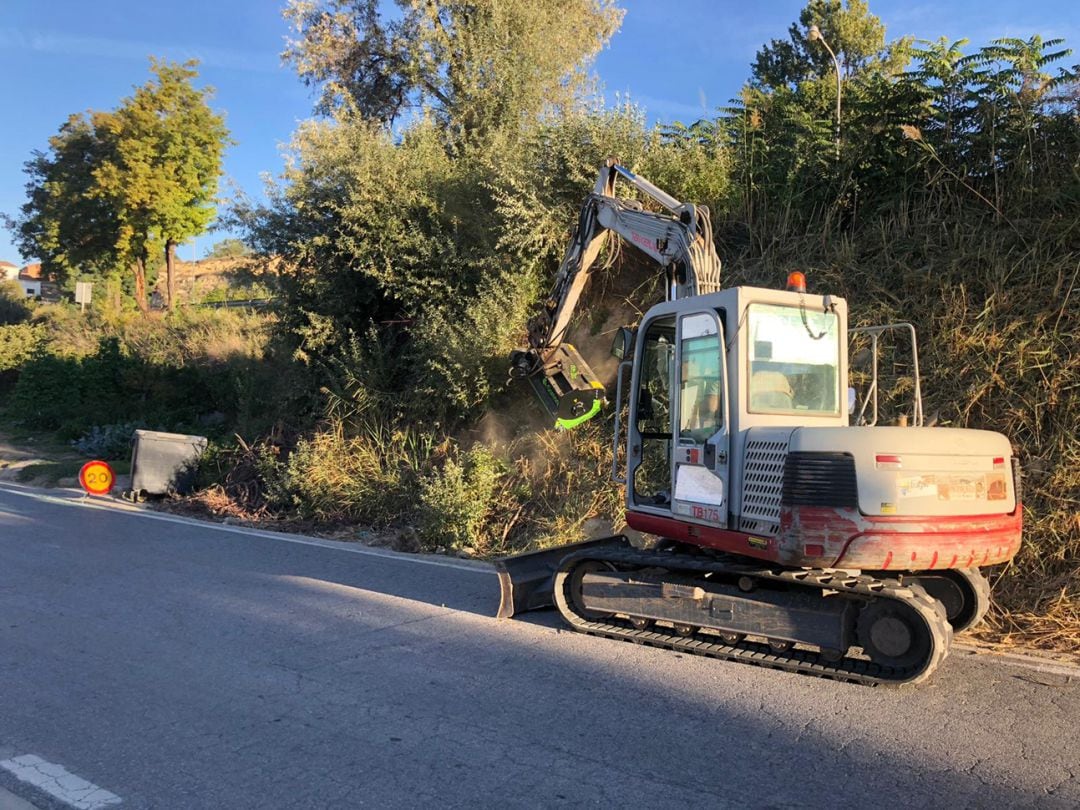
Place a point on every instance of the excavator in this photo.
(790, 529)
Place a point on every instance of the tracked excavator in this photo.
(793, 531)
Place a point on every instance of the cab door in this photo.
(701, 439)
(652, 418)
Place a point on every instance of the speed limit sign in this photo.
(97, 478)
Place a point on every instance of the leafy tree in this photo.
(1012, 87)
(784, 130)
(65, 222)
(855, 35)
(395, 284)
(477, 65)
(115, 188)
(228, 249)
(944, 75)
(162, 177)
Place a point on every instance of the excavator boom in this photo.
(678, 241)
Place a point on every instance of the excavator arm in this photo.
(679, 241)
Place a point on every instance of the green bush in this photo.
(113, 384)
(110, 442)
(46, 393)
(14, 307)
(18, 343)
(456, 498)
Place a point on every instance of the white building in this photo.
(9, 271)
(30, 279)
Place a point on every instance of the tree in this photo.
(163, 175)
(228, 249)
(784, 126)
(65, 223)
(856, 35)
(115, 188)
(477, 65)
(944, 75)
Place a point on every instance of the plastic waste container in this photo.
(164, 463)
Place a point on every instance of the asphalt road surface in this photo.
(155, 662)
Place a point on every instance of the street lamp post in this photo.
(815, 35)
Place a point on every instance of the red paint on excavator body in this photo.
(846, 538)
(698, 535)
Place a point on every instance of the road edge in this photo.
(76, 499)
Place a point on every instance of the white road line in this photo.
(57, 781)
(475, 566)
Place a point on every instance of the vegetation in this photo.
(423, 212)
(228, 249)
(14, 307)
(89, 379)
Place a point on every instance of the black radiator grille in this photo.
(820, 479)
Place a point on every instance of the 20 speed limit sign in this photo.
(97, 477)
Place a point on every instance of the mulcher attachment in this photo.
(565, 384)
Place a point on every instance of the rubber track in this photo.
(807, 662)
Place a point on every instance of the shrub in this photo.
(365, 472)
(455, 499)
(46, 393)
(19, 343)
(109, 442)
(13, 305)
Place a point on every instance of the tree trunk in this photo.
(140, 285)
(170, 260)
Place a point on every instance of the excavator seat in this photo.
(770, 391)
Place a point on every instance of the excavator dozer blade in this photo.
(526, 581)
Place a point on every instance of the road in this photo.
(170, 664)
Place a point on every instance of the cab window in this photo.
(794, 357)
(700, 383)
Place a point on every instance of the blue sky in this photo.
(678, 59)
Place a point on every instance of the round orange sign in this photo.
(97, 477)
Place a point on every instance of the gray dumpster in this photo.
(164, 463)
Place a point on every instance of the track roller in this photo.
(893, 634)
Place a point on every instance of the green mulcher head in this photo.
(566, 386)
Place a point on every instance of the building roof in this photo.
(7, 264)
(32, 272)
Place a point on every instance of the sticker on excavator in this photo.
(995, 487)
(919, 486)
(961, 487)
(698, 511)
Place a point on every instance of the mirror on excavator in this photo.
(622, 346)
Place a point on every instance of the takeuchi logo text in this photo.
(644, 241)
